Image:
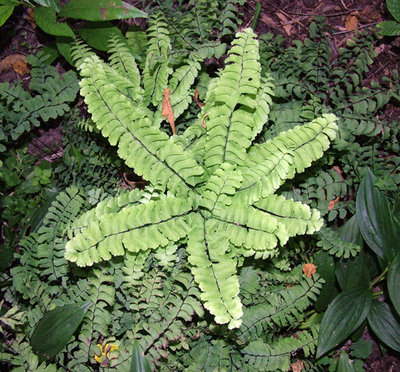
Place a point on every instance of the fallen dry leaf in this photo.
(297, 366)
(332, 203)
(203, 124)
(30, 18)
(309, 269)
(167, 110)
(351, 23)
(17, 62)
(196, 99)
(285, 23)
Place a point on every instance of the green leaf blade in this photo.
(100, 10)
(393, 280)
(55, 329)
(384, 324)
(343, 316)
(375, 219)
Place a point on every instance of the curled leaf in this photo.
(167, 110)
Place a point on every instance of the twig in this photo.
(363, 26)
(286, 14)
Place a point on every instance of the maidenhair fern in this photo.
(220, 199)
(49, 98)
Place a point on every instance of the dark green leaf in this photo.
(53, 4)
(384, 324)
(361, 349)
(64, 47)
(394, 8)
(325, 268)
(343, 316)
(352, 272)
(100, 10)
(139, 361)
(5, 12)
(375, 219)
(55, 329)
(6, 256)
(393, 282)
(45, 18)
(97, 34)
(389, 28)
(344, 364)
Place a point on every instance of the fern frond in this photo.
(214, 271)
(276, 356)
(297, 217)
(135, 228)
(230, 130)
(331, 242)
(141, 145)
(272, 162)
(280, 309)
(157, 70)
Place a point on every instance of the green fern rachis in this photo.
(220, 199)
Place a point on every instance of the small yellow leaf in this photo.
(167, 110)
(309, 269)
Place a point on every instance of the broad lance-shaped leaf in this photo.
(140, 144)
(343, 316)
(393, 281)
(55, 329)
(135, 228)
(214, 270)
(375, 219)
(384, 324)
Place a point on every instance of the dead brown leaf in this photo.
(339, 172)
(332, 203)
(297, 366)
(309, 269)
(351, 23)
(16, 62)
(285, 23)
(196, 99)
(30, 18)
(167, 110)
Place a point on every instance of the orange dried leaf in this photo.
(309, 269)
(167, 110)
(202, 121)
(297, 366)
(17, 62)
(351, 23)
(332, 203)
(196, 99)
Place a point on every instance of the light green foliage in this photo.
(49, 98)
(223, 206)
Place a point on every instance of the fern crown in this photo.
(219, 185)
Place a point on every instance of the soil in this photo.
(20, 35)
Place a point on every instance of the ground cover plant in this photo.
(238, 252)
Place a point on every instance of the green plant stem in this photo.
(379, 278)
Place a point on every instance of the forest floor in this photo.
(20, 36)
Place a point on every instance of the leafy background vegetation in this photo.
(65, 309)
